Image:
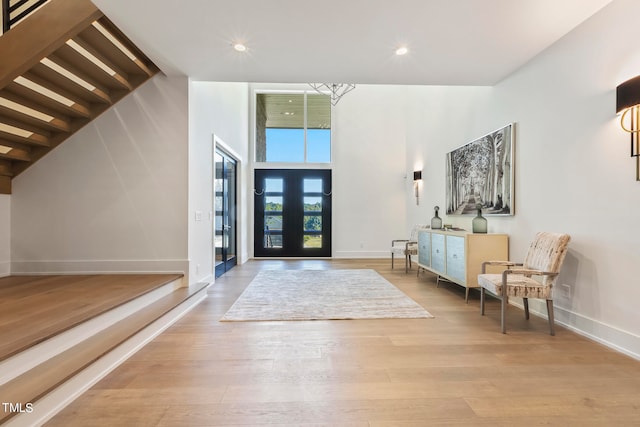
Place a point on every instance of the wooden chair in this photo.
(544, 259)
(407, 247)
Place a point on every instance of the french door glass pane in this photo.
(312, 241)
(313, 223)
(229, 203)
(273, 185)
(312, 185)
(273, 204)
(312, 208)
(273, 231)
(313, 204)
(273, 212)
(219, 213)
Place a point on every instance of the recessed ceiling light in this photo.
(403, 50)
(240, 47)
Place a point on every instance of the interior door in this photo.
(225, 229)
(292, 213)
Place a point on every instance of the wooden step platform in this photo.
(59, 334)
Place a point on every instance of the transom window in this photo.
(293, 128)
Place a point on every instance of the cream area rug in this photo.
(322, 294)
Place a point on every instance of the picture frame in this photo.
(482, 171)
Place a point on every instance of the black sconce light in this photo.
(417, 177)
(628, 104)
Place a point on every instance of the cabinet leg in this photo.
(466, 295)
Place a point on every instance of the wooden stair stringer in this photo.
(66, 61)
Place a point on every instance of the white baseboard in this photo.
(363, 254)
(610, 336)
(180, 266)
(5, 268)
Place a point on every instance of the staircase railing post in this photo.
(5, 16)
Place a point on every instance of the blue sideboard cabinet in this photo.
(457, 256)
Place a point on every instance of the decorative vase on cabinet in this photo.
(479, 223)
(436, 221)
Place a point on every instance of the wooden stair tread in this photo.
(62, 302)
(55, 371)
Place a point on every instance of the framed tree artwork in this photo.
(481, 172)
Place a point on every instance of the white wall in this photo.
(113, 197)
(369, 173)
(573, 170)
(221, 109)
(439, 118)
(5, 235)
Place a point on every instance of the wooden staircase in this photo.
(44, 368)
(61, 67)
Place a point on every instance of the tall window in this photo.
(293, 128)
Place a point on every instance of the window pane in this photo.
(318, 128)
(273, 231)
(279, 112)
(313, 204)
(318, 111)
(319, 145)
(285, 145)
(312, 185)
(273, 185)
(273, 204)
(312, 223)
(312, 241)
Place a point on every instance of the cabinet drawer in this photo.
(437, 252)
(424, 249)
(455, 258)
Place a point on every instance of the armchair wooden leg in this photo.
(550, 314)
(525, 302)
(503, 313)
(482, 301)
(392, 260)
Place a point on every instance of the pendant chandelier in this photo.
(336, 90)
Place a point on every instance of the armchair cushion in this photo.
(518, 285)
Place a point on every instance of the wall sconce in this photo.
(417, 177)
(628, 104)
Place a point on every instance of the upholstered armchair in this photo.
(407, 247)
(544, 259)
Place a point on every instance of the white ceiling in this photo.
(451, 42)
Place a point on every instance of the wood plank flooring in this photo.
(454, 370)
(34, 308)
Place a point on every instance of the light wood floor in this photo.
(454, 370)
